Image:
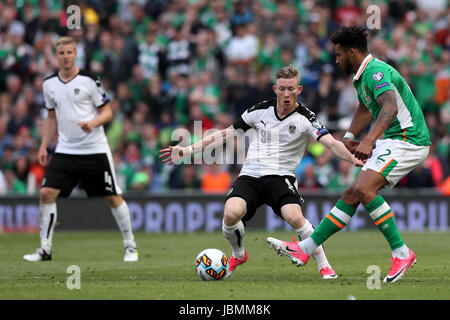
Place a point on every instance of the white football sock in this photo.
(308, 246)
(47, 222)
(234, 235)
(401, 253)
(122, 216)
(318, 253)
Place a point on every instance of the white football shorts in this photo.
(394, 159)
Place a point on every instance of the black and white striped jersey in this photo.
(279, 143)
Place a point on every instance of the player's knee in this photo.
(292, 214)
(47, 195)
(114, 201)
(359, 192)
(234, 211)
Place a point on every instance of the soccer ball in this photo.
(211, 264)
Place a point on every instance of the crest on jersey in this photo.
(377, 76)
(76, 90)
(291, 128)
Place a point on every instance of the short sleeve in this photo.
(311, 125)
(49, 103)
(378, 80)
(316, 130)
(98, 96)
(246, 121)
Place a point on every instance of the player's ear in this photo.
(300, 89)
(352, 52)
(274, 87)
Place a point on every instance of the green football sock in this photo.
(336, 220)
(382, 215)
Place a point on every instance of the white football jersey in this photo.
(74, 101)
(279, 144)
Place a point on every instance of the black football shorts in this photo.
(272, 190)
(93, 172)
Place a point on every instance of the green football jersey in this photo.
(375, 77)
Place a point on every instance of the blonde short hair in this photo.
(288, 72)
(65, 40)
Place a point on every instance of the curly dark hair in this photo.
(350, 37)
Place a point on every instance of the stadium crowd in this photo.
(168, 63)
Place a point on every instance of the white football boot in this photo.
(131, 254)
(39, 255)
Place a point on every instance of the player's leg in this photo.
(292, 214)
(98, 178)
(242, 201)
(336, 220)
(59, 181)
(48, 216)
(47, 222)
(340, 215)
(392, 160)
(232, 225)
(121, 214)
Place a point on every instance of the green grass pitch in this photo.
(166, 271)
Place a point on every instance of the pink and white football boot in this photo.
(233, 263)
(291, 250)
(399, 267)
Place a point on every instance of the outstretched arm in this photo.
(387, 114)
(176, 153)
(339, 149)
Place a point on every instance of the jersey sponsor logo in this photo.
(381, 85)
(377, 76)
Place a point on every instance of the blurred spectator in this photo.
(140, 181)
(323, 102)
(179, 52)
(344, 177)
(207, 95)
(215, 179)
(185, 177)
(20, 117)
(241, 94)
(36, 172)
(150, 53)
(309, 181)
(242, 49)
(434, 167)
(348, 14)
(420, 177)
(323, 168)
(3, 184)
(15, 185)
(5, 137)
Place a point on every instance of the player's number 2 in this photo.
(384, 155)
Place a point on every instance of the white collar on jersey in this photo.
(362, 66)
